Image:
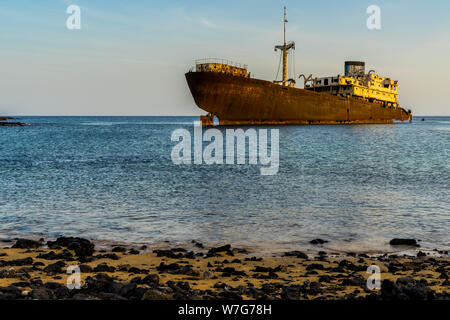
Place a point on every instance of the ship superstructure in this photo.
(369, 87)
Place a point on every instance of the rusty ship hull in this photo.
(248, 101)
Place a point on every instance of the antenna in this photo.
(285, 20)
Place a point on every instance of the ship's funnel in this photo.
(354, 68)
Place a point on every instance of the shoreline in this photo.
(31, 269)
(336, 247)
(4, 122)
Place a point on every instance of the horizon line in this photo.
(56, 115)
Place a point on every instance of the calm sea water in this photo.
(112, 178)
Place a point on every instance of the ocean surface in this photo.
(112, 179)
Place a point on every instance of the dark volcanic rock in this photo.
(337, 269)
(421, 254)
(270, 288)
(318, 241)
(11, 124)
(314, 288)
(225, 248)
(230, 271)
(175, 268)
(54, 285)
(230, 295)
(152, 280)
(10, 293)
(419, 291)
(357, 282)
(253, 259)
(18, 262)
(119, 249)
(189, 255)
(111, 256)
(394, 267)
(258, 294)
(56, 267)
(168, 253)
(311, 272)
(350, 266)
(293, 292)
(103, 267)
(105, 287)
(405, 281)
(406, 290)
(404, 242)
(42, 294)
(270, 275)
(198, 244)
(65, 255)
(315, 266)
(268, 269)
(21, 284)
(101, 283)
(154, 294)
(26, 244)
(82, 247)
(181, 290)
(177, 253)
(325, 278)
(7, 273)
(136, 270)
(168, 267)
(85, 268)
(127, 290)
(297, 254)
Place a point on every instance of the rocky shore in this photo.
(37, 270)
(4, 122)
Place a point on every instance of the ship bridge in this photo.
(356, 82)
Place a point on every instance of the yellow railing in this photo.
(221, 61)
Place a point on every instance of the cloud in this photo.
(208, 23)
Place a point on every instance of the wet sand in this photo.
(37, 270)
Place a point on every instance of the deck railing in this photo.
(221, 61)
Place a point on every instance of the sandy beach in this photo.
(32, 269)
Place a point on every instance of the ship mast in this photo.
(284, 51)
(285, 48)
